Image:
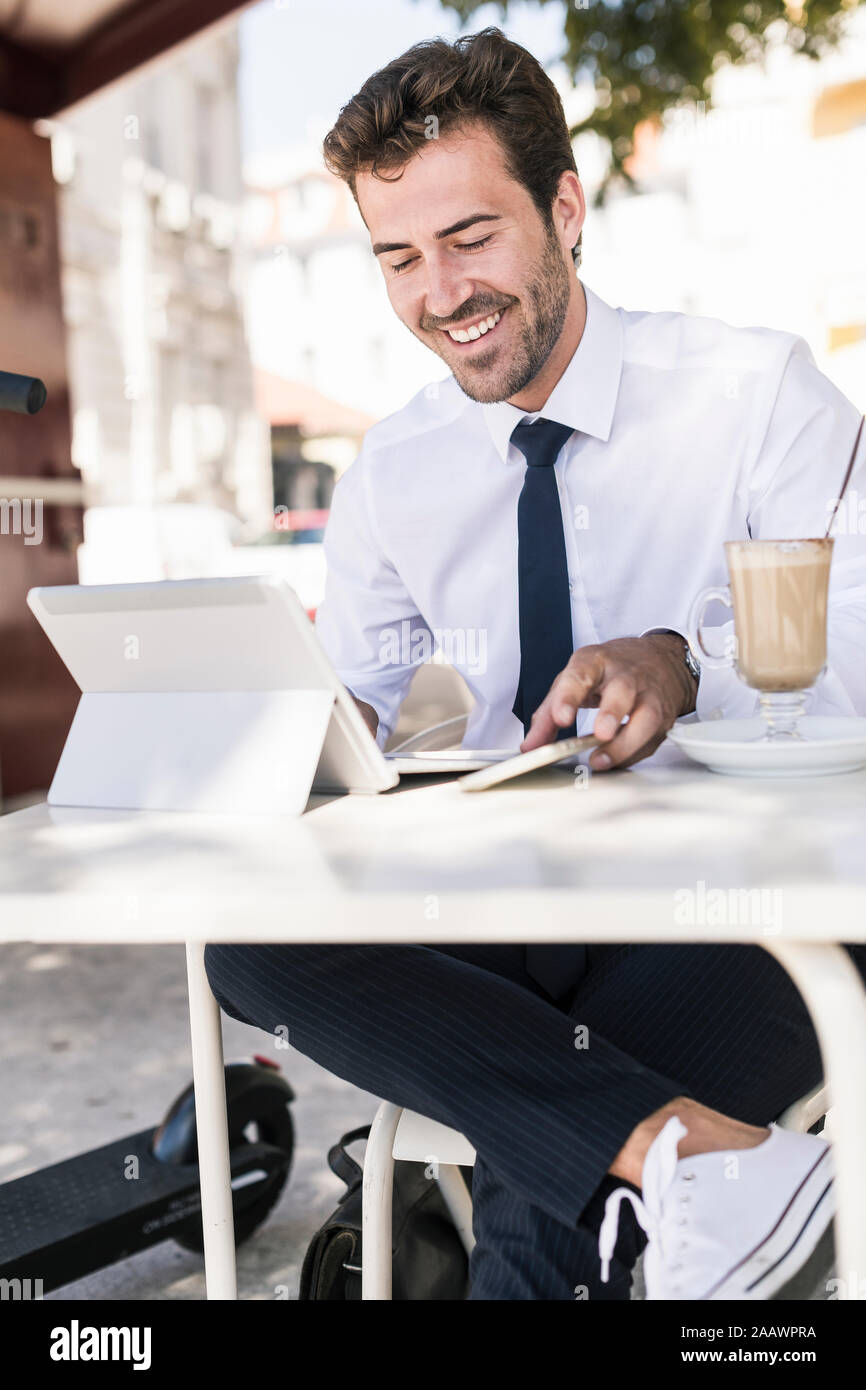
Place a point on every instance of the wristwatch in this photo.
(692, 666)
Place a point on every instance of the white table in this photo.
(618, 857)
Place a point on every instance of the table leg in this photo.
(212, 1128)
(833, 992)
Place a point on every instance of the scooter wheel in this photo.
(257, 1103)
(246, 1221)
(249, 1216)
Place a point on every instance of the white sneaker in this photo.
(734, 1224)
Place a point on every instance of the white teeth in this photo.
(469, 335)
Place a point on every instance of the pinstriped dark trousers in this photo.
(546, 1090)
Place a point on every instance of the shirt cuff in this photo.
(648, 632)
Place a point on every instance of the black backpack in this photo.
(430, 1261)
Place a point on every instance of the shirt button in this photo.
(716, 713)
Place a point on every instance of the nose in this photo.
(448, 287)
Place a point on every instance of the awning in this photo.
(55, 52)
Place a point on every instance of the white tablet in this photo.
(202, 694)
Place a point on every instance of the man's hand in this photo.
(371, 718)
(645, 678)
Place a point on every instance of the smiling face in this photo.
(473, 270)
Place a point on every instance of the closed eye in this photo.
(461, 246)
(474, 245)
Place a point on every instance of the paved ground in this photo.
(95, 1045)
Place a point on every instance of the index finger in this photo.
(583, 675)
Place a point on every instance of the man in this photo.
(565, 493)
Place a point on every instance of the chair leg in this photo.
(458, 1201)
(376, 1199)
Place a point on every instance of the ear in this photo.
(569, 209)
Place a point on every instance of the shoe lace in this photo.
(653, 1215)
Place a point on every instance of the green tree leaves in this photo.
(645, 57)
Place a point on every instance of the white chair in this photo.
(397, 1134)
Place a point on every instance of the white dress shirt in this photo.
(688, 433)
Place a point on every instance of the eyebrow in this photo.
(382, 246)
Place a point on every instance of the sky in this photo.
(301, 60)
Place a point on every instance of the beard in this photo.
(541, 312)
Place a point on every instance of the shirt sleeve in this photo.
(790, 489)
(367, 622)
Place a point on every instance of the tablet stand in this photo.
(224, 751)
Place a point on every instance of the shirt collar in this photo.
(585, 395)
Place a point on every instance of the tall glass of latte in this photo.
(778, 593)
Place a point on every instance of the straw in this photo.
(848, 473)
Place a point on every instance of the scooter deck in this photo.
(87, 1212)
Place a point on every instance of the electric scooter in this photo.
(63, 1222)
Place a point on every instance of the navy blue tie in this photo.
(542, 570)
(546, 642)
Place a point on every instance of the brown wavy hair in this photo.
(481, 77)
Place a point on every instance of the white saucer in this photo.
(733, 746)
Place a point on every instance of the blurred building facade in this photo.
(312, 438)
(318, 311)
(74, 244)
(153, 276)
(751, 210)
